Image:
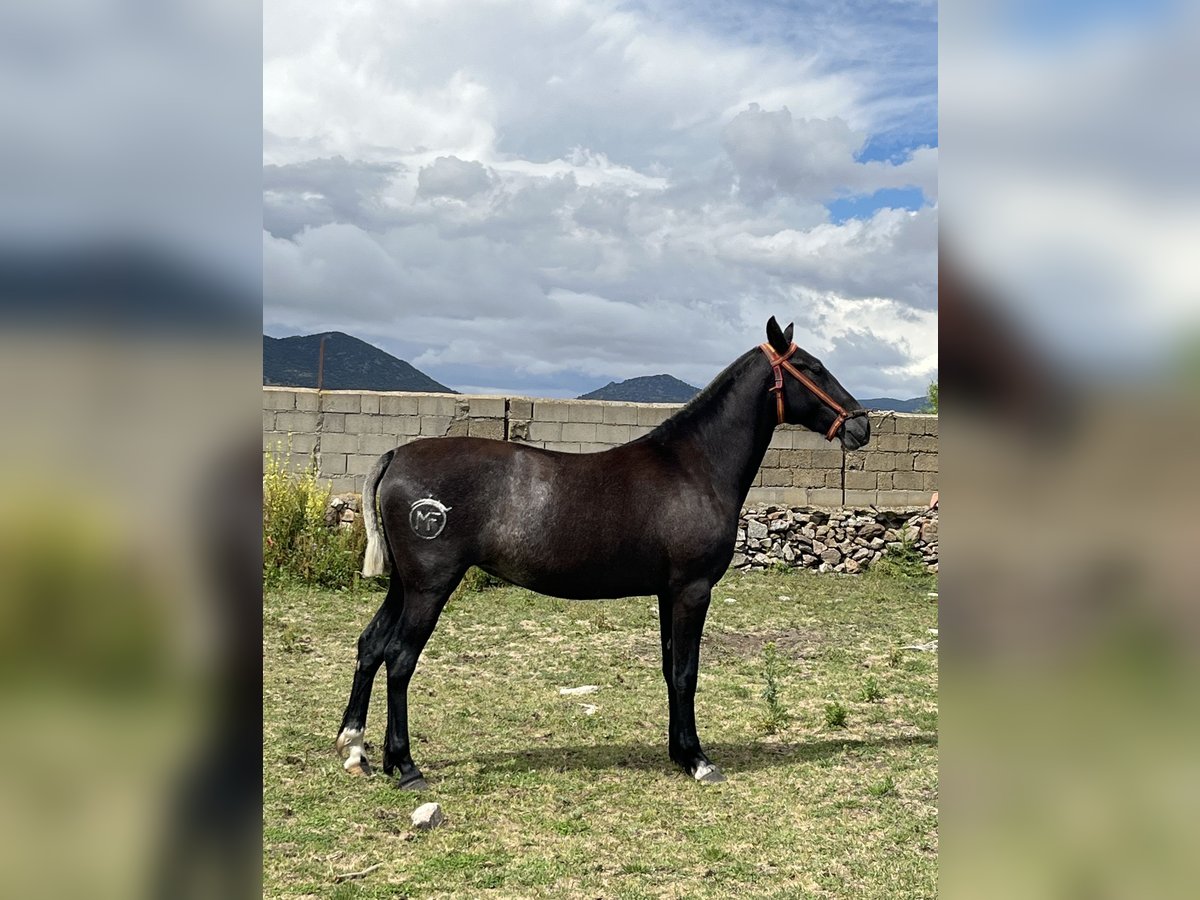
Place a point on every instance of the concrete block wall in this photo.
(346, 431)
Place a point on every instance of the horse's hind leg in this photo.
(371, 645)
(417, 620)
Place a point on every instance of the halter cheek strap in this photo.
(779, 362)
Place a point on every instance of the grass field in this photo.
(574, 796)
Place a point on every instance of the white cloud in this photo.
(568, 185)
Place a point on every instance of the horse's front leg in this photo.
(687, 608)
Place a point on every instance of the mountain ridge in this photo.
(351, 364)
(645, 389)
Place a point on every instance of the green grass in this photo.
(544, 800)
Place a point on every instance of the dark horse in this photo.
(655, 516)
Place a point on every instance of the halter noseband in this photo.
(779, 362)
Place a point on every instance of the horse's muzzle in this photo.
(856, 432)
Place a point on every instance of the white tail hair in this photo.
(373, 558)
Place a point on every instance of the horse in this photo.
(656, 516)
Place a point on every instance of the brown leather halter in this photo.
(779, 362)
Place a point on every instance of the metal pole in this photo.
(321, 364)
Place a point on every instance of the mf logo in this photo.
(427, 518)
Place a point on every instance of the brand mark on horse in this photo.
(427, 518)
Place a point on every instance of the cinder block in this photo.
(435, 426)
(781, 439)
(637, 431)
(400, 405)
(436, 405)
(275, 398)
(795, 459)
(549, 411)
(594, 448)
(825, 497)
(833, 478)
(268, 420)
(274, 442)
(908, 481)
(904, 462)
(360, 463)
(910, 423)
(882, 423)
(803, 439)
(782, 496)
(341, 401)
(486, 407)
(579, 431)
(810, 478)
(827, 459)
(333, 463)
(340, 443)
(890, 443)
(860, 498)
(862, 481)
(460, 426)
(545, 431)
(925, 462)
(346, 484)
(885, 481)
(520, 409)
(375, 444)
(370, 404)
(854, 460)
(879, 462)
(776, 477)
(296, 422)
(406, 425)
(612, 434)
(562, 447)
(903, 499)
(929, 481)
(620, 415)
(333, 422)
(585, 412)
(307, 400)
(923, 443)
(931, 425)
(486, 428)
(655, 414)
(357, 423)
(771, 459)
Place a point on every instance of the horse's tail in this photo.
(373, 559)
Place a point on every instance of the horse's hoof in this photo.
(414, 784)
(707, 773)
(357, 765)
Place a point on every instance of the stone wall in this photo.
(346, 431)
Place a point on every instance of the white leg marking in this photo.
(350, 746)
(702, 770)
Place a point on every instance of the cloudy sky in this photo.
(542, 196)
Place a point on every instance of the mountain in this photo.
(916, 404)
(646, 389)
(350, 364)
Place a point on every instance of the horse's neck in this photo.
(731, 428)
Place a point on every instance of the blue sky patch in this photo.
(845, 208)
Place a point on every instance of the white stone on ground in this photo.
(427, 816)
(582, 689)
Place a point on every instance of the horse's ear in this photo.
(776, 338)
(787, 332)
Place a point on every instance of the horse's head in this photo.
(806, 393)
